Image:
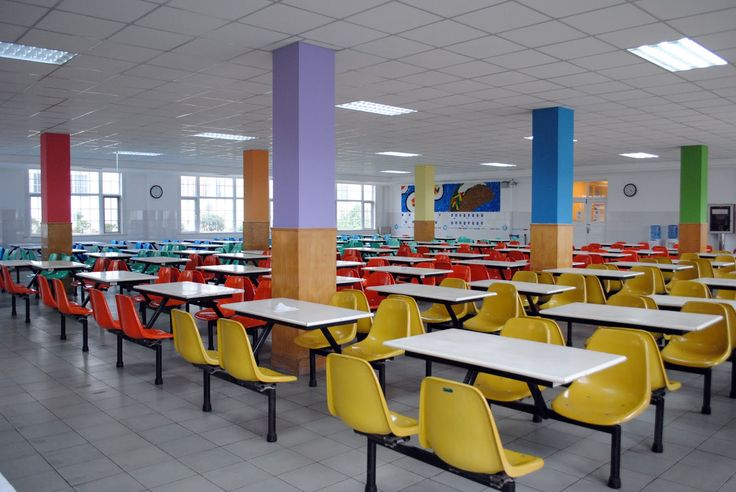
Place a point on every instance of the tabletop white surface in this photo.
(446, 247)
(496, 263)
(342, 280)
(110, 255)
(242, 256)
(719, 283)
(524, 287)
(235, 269)
(15, 263)
(187, 290)
(606, 274)
(554, 364)
(508, 250)
(57, 265)
(116, 277)
(349, 264)
(645, 318)
(662, 266)
(298, 313)
(161, 260)
(679, 301)
(432, 292)
(408, 271)
(370, 250)
(714, 264)
(466, 256)
(407, 259)
(604, 255)
(201, 252)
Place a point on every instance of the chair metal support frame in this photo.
(707, 373)
(85, 330)
(154, 345)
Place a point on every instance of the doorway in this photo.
(590, 199)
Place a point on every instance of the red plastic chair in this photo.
(632, 255)
(464, 248)
(708, 248)
(101, 311)
(479, 272)
(514, 243)
(134, 330)
(18, 290)
(266, 263)
(44, 290)
(500, 245)
(191, 276)
(661, 251)
(442, 257)
(495, 256)
(210, 260)
(426, 280)
(596, 259)
(404, 250)
(585, 259)
(67, 308)
(118, 266)
(461, 272)
(517, 256)
(100, 265)
(351, 255)
(262, 292)
(165, 276)
(210, 315)
(348, 272)
(374, 262)
(422, 249)
(193, 262)
(373, 280)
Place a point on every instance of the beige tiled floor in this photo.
(72, 421)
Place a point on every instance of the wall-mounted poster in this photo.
(458, 197)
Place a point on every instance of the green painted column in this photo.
(693, 198)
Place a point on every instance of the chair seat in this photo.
(77, 310)
(169, 303)
(597, 406)
(23, 291)
(315, 339)
(209, 314)
(153, 334)
(271, 376)
(371, 353)
(436, 314)
(521, 464)
(689, 354)
(502, 389)
(404, 426)
(482, 324)
(556, 301)
(115, 326)
(249, 322)
(212, 357)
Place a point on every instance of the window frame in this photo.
(363, 201)
(237, 198)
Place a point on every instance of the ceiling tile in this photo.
(610, 19)
(246, 36)
(150, 38)
(443, 33)
(521, 59)
(116, 10)
(435, 59)
(562, 8)
(706, 23)
(607, 60)
(577, 48)
(505, 79)
(126, 52)
(550, 70)
(9, 32)
(453, 8)
(180, 21)
(637, 36)
(342, 34)
(673, 9)
(350, 60)
(284, 18)
(222, 9)
(80, 25)
(331, 8)
(393, 47)
(485, 47)
(393, 18)
(543, 34)
(503, 17)
(473, 69)
(58, 41)
(391, 69)
(20, 14)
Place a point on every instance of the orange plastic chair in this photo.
(375, 262)
(118, 266)
(263, 291)
(210, 315)
(376, 279)
(67, 308)
(463, 248)
(103, 317)
(134, 330)
(479, 272)
(45, 292)
(210, 260)
(461, 272)
(193, 262)
(585, 259)
(426, 280)
(191, 276)
(18, 290)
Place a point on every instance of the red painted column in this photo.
(56, 191)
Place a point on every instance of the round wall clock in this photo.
(630, 189)
(156, 192)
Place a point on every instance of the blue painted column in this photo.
(552, 179)
(304, 217)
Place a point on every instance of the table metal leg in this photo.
(262, 338)
(569, 333)
(158, 311)
(533, 308)
(456, 322)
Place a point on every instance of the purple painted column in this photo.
(303, 136)
(303, 235)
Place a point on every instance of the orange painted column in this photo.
(56, 191)
(256, 216)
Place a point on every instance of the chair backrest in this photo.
(236, 354)
(628, 300)
(689, 256)
(688, 274)
(390, 321)
(416, 326)
(641, 284)
(166, 275)
(118, 265)
(545, 278)
(101, 310)
(594, 290)
(62, 301)
(584, 259)
(574, 280)
(361, 304)
(191, 276)
(517, 255)
(479, 272)
(532, 328)
(129, 321)
(211, 260)
(45, 292)
(8, 282)
(355, 397)
(374, 262)
(504, 305)
(525, 276)
(689, 288)
(705, 269)
(455, 421)
(379, 278)
(716, 337)
(187, 341)
(461, 272)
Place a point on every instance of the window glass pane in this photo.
(86, 214)
(111, 183)
(367, 215)
(239, 215)
(35, 215)
(369, 193)
(188, 223)
(188, 186)
(348, 191)
(215, 187)
(348, 215)
(215, 215)
(85, 182)
(112, 213)
(34, 181)
(239, 187)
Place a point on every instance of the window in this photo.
(211, 204)
(355, 206)
(93, 212)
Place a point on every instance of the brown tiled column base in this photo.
(551, 246)
(56, 237)
(303, 267)
(423, 230)
(693, 238)
(255, 235)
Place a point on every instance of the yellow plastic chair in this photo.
(615, 285)
(437, 313)
(705, 269)
(361, 304)
(701, 351)
(392, 320)
(496, 310)
(355, 397)
(667, 275)
(315, 341)
(456, 422)
(689, 288)
(659, 283)
(594, 290)
(416, 326)
(727, 294)
(607, 399)
(501, 389)
(605, 284)
(570, 296)
(526, 276)
(628, 300)
(237, 359)
(188, 343)
(641, 285)
(689, 256)
(544, 278)
(688, 274)
(724, 272)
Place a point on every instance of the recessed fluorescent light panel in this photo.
(398, 154)
(141, 154)
(676, 56)
(34, 54)
(225, 136)
(394, 171)
(639, 155)
(371, 107)
(497, 164)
